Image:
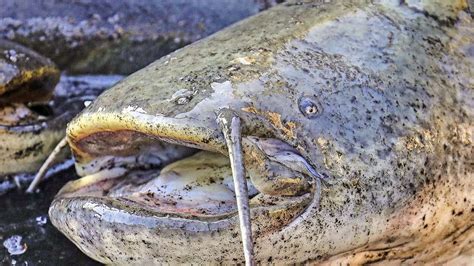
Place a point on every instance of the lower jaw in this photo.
(96, 214)
(122, 237)
(70, 214)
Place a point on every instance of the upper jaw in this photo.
(131, 139)
(131, 133)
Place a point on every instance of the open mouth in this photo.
(29, 132)
(196, 187)
(180, 170)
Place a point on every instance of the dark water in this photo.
(46, 245)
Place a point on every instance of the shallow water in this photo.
(45, 244)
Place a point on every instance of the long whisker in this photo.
(230, 124)
(44, 168)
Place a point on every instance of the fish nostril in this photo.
(182, 97)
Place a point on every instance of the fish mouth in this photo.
(175, 171)
(29, 131)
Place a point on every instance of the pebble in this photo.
(14, 246)
(41, 220)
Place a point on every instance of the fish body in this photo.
(34, 109)
(27, 81)
(375, 100)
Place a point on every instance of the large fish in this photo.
(375, 99)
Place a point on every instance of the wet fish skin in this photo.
(26, 78)
(393, 134)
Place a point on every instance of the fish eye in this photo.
(309, 107)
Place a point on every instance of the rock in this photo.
(25, 76)
(14, 245)
(116, 36)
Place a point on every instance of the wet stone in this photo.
(41, 220)
(14, 245)
(116, 36)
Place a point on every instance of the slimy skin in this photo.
(376, 99)
(26, 135)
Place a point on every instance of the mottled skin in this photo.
(26, 135)
(33, 115)
(392, 133)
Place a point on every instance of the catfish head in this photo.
(342, 93)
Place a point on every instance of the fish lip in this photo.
(109, 212)
(106, 209)
(182, 131)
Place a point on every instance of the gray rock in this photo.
(116, 36)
